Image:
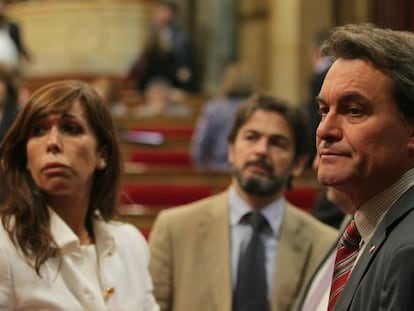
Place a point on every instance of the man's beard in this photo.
(261, 185)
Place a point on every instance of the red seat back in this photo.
(303, 197)
(163, 195)
(161, 157)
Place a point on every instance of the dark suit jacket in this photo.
(315, 85)
(325, 261)
(9, 114)
(327, 212)
(14, 32)
(383, 278)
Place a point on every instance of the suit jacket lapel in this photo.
(395, 214)
(215, 252)
(360, 269)
(293, 249)
(303, 294)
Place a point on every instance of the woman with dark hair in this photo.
(59, 250)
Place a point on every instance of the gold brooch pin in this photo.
(109, 291)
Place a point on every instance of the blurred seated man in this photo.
(109, 91)
(209, 143)
(167, 52)
(159, 101)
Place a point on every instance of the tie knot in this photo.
(257, 221)
(351, 237)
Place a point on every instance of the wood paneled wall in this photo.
(90, 37)
(271, 36)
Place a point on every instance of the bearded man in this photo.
(247, 248)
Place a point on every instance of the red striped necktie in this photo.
(347, 252)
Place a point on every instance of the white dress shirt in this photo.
(117, 280)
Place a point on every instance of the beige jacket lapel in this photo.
(291, 258)
(215, 253)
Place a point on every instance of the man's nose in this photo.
(261, 146)
(330, 127)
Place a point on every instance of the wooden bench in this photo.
(143, 216)
(144, 174)
(159, 121)
(304, 194)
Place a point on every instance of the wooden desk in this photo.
(165, 121)
(141, 174)
(143, 217)
(167, 144)
(140, 216)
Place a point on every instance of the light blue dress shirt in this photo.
(241, 233)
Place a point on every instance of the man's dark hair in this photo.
(292, 114)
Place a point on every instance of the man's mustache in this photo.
(262, 163)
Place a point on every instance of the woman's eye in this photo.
(72, 128)
(38, 130)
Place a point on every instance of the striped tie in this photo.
(345, 257)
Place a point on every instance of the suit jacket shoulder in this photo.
(196, 211)
(190, 256)
(382, 279)
(303, 241)
(192, 243)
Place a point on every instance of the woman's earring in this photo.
(101, 164)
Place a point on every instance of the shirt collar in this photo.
(370, 214)
(67, 240)
(273, 212)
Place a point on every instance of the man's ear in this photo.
(299, 165)
(410, 144)
(230, 153)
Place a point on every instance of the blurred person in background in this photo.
(160, 100)
(9, 98)
(167, 52)
(209, 144)
(109, 91)
(320, 66)
(12, 47)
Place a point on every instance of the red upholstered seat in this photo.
(303, 197)
(163, 195)
(145, 233)
(161, 157)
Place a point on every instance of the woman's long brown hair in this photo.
(24, 213)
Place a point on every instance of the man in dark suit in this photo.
(167, 53)
(320, 66)
(365, 141)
